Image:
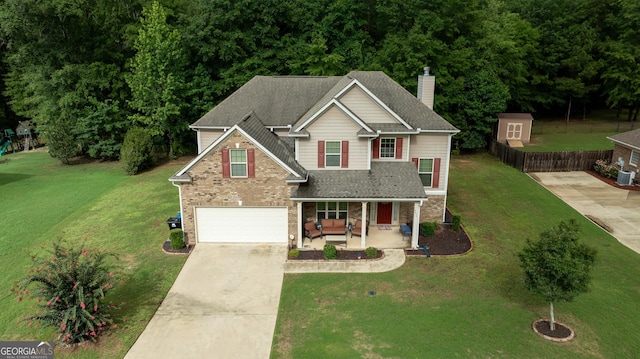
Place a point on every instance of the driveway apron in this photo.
(223, 304)
(617, 208)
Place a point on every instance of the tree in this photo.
(557, 266)
(64, 67)
(157, 77)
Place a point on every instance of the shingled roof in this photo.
(629, 138)
(254, 128)
(281, 101)
(385, 180)
(256, 131)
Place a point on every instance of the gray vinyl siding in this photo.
(333, 125)
(363, 106)
(432, 146)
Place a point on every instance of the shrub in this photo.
(294, 253)
(177, 239)
(70, 284)
(136, 153)
(455, 222)
(372, 252)
(428, 229)
(329, 251)
(606, 169)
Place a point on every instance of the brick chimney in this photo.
(426, 88)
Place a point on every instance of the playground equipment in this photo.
(4, 143)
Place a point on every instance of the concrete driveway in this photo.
(223, 304)
(616, 208)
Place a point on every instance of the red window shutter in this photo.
(320, 154)
(345, 154)
(376, 147)
(251, 163)
(415, 161)
(226, 167)
(436, 173)
(399, 148)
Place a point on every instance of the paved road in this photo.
(223, 304)
(617, 208)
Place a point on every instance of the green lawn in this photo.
(44, 201)
(581, 135)
(473, 306)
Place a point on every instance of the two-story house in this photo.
(285, 150)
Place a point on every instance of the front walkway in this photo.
(393, 258)
(223, 304)
(617, 208)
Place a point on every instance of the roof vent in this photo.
(426, 70)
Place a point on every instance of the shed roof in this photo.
(515, 116)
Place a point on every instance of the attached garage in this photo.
(241, 224)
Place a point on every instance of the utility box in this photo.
(624, 178)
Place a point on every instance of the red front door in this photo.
(384, 212)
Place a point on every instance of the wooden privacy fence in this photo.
(548, 161)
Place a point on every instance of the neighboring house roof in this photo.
(385, 180)
(628, 139)
(283, 101)
(252, 128)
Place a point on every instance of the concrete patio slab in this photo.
(223, 304)
(616, 208)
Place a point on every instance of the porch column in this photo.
(300, 235)
(363, 237)
(415, 231)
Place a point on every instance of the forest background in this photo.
(86, 71)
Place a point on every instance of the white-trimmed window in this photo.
(332, 152)
(238, 162)
(387, 148)
(332, 210)
(514, 131)
(635, 156)
(425, 171)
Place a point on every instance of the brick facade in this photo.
(625, 153)
(209, 189)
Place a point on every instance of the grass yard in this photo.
(581, 135)
(43, 201)
(473, 306)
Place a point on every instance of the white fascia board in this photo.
(222, 138)
(375, 98)
(195, 128)
(453, 132)
(323, 109)
(624, 144)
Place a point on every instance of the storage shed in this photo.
(514, 128)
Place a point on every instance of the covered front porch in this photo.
(378, 237)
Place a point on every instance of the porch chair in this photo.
(311, 232)
(357, 228)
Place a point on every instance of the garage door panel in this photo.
(242, 224)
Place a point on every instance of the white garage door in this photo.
(242, 225)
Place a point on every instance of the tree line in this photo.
(86, 71)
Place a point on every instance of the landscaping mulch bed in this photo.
(342, 255)
(166, 247)
(560, 332)
(613, 182)
(444, 242)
